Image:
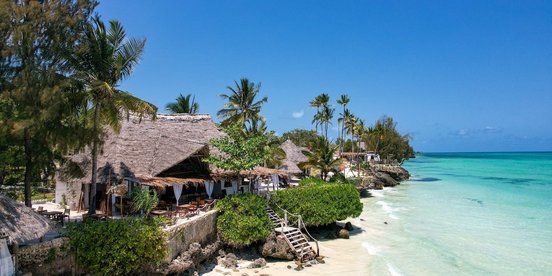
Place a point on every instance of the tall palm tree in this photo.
(242, 105)
(322, 157)
(344, 120)
(343, 101)
(183, 104)
(326, 116)
(108, 59)
(318, 102)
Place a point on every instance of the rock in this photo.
(256, 271)
(190, 258)
(229, 261)
(289, 266)
(349, 226)
(276, 246)
(195, 273)
(385, 222)
(363, 192)
(343, 234)
(244, 274)
(387, 180)
(235, 270)
(397, 172)
(258, 263)
(299, 267)
(308, 265)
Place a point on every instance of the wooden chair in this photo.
(66, 214)
(41, 209)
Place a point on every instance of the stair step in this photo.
(294, 236)
(305, 249)
(297, 241)
(298, 246)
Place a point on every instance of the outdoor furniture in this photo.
(181, 210)
(40, 209)
(65, 214)
(53, 215)
(159, 213)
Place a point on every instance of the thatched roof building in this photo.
(20, 223)
(294, 156)
(153, 152)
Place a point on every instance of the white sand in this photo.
(342, 257)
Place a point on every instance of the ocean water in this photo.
(463, 214)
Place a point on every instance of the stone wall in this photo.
(46, 258)
(202, 230)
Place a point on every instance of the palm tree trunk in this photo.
(28, 168)
(92, 203)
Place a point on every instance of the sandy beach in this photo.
(341, 256)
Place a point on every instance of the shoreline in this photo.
(341, 256)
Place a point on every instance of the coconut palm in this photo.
(275, 154)
(322, 157)
(326, 116)
(319, 101)
(109, 58)
(183, 104)
(343, 101)
(242, 105)
(343, 120)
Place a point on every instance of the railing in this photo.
(300, 224)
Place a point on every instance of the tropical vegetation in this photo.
(117, 247)
(183, 104)
(109, 57)
(322, 157)
(242, 105)
(319, 203)
(242, 219)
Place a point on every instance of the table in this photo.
(158, 212)
(51, 214)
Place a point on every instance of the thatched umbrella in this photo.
(20, 223)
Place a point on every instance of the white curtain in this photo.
(177, 192)
(275, 180)
(209, 186)
(6, 262)
(235, 185)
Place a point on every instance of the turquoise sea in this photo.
(464, 214)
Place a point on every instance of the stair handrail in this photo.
(300, 225)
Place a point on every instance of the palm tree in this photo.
(109, 58)
(322, 157)
(319, 101)
(183, 104)
(344, 120)
(343, 101)
(242, 105)
(326, 116)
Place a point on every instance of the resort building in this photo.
(166, 153)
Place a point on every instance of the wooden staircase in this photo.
(296, 240)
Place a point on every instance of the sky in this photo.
(455, 75)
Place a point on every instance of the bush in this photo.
(320, 204)
(117, 247)
(242, 220)
(311, 181)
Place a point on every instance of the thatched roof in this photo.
(20, 222)
(148, 147)
(162, 182)
(257, 171)
(294, 156)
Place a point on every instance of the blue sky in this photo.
(457, 76)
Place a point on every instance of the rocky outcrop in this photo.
(190, 259)
(395, 171)
(382, 175)
(276, 246)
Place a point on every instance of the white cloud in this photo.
(298, 115)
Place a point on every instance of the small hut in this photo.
(294, 156)
(20, 223)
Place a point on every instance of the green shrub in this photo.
(144, 200)
(242, 219)
(320, 204)
(340, 178)
(117, 247)
(311, 181)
